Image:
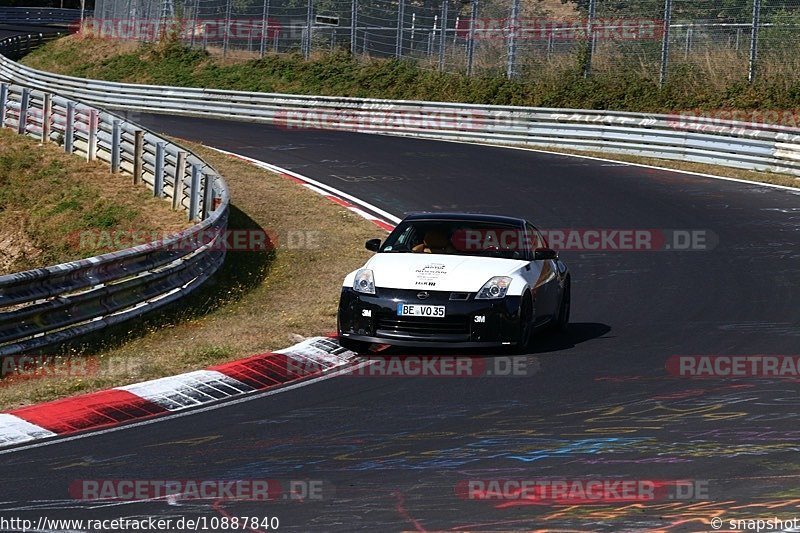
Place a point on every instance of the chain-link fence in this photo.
(723, 39)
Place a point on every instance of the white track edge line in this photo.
(162, 418)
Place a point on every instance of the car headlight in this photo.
(495, 288)
(364, 282)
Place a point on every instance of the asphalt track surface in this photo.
(600, 403)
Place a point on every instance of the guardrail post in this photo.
(23, 111)
(178, 181)
(208, 195)
(138, 154)
(3, 102)
(69, 127)
(91, 148)
(194, 192)
(158, 180)
(116, 142)
(47, 117)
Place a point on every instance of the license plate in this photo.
(430, 311)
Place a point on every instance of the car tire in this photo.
(561, 320)
(526, 327)
(354, 345)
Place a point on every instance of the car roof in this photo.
(478, 217)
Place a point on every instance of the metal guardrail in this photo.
(20, 45)
(50, 305)
(40, 15)
(695, 139)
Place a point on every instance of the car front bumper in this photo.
(468, 323)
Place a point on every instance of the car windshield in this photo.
(459, 237)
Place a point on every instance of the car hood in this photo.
(436, 272)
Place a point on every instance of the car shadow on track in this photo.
(576, 333)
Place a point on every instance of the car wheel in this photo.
(561, 322)
(525, 327)
(354, 345)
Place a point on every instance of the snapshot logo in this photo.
(727, 120)
(100, 241)
(427, 367)
(387, 120)
(547, 29)
(734, 366)
(596, 239)
(202, 29)
(581, 491)
(200, 489)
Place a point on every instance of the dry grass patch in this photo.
(54, 206)
(259, 301)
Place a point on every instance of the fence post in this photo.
(138, 154)
(47, 117)
(227, 30)
(353, 25)
(22, 124)
(309, 25)
(751, 74)
(473, 19)
(116, 141)
(264, 28)
(511, 68)
(587, 66)
(443, 35)
(3, 102)
(69, 127)
(194, 191)
(91, 140)
(178, 181)
(208, 195)
(401, 13)
(158, 172)
(688, 44)
(662, 78)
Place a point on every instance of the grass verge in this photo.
(257, 302)
(54, 206)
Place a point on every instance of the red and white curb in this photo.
(311, 358)
(374, 214)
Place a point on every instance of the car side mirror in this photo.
(373, 245)
(543, 254)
